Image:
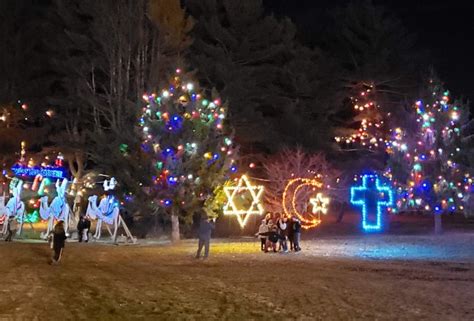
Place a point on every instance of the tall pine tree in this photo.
(427, 163)
(278, 90)
(192, 150)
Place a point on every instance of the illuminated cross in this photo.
(371, 193)
(255, 207)
(320, 204)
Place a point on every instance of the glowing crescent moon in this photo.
(295, 185)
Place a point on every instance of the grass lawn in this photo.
(238, 282)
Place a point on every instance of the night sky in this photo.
(444, 28)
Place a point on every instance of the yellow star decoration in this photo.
(255, 192)
(320, 204)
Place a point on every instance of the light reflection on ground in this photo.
(430, 247)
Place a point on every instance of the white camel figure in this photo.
(107, 211)
(15, 207)
(59, 208)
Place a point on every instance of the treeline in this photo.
(89, 63)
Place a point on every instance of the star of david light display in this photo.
(239, 196)
(376, 193)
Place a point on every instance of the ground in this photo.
(347, 278)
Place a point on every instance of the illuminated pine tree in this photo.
(192, 149)
(426, 161)
(367, 128)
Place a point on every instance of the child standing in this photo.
(59, 240)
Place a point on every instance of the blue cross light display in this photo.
(382, 196)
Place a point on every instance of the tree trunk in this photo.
(438, 224)
(174, 226)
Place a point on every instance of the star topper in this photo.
(255, 207)
(320, 204)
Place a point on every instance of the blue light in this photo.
(233, 169)
(175, 123)
(359, 198)
(167, 202)
(168, 152)
(53, 172)
(172, 180)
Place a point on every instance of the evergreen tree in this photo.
(192, 149)
(278, 90)
(426, 162)
(103, 66)
(377, 62)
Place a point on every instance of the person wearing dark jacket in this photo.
(296, 234)
(59, 240)
(83, 228)
(291, 233)
(205, 229)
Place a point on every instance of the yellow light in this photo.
(320, 204)
(255, 207)
(291, 190)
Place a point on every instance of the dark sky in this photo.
(444, 28)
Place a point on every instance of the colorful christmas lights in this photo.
(183, 133)
(426, 163)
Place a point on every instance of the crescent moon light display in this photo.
(296, 191)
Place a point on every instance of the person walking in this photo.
(296, 234)
(83, 228)
(59, 240)
(262, 230)
(205, 230)
(11, 228)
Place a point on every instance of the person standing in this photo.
(59, 240)
(87, 228)
(83, 228)
(296, 234)
(80, 229)
(205, 230)
(11, 228)
(291, 232)
(262, 235)
(283, 233)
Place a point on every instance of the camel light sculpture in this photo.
(59, 208)
(108, 212)
(15, 207)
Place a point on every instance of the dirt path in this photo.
(237, 283)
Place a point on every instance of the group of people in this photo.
(57, 237)
(275, 232)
